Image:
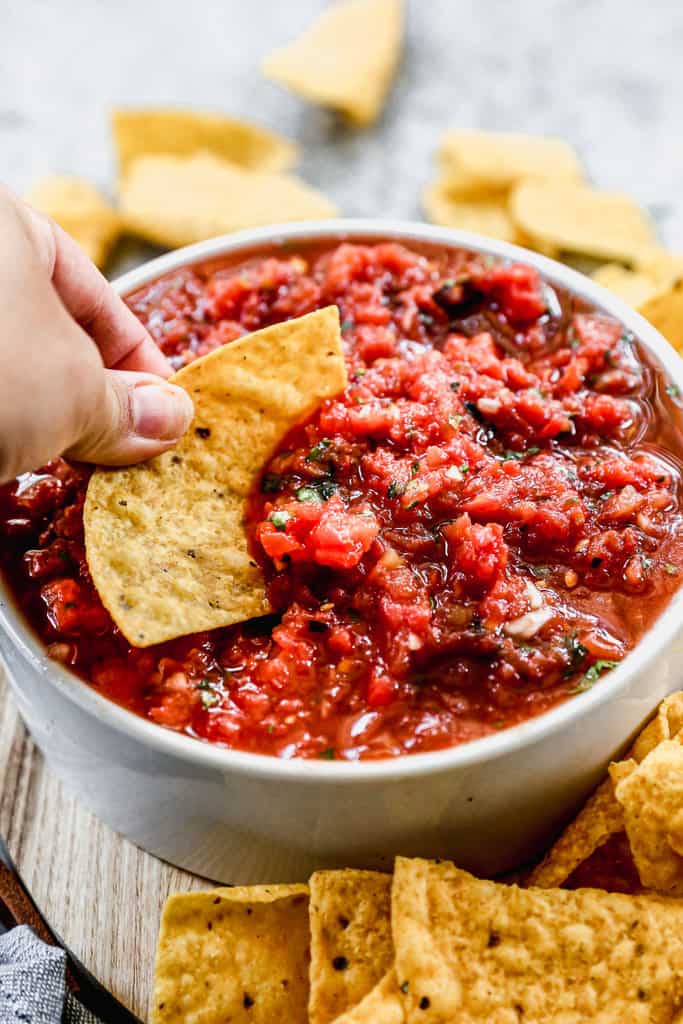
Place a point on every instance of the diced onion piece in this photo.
(528, 625)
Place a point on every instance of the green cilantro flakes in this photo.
(455, 385)
(208, 695)
(279, 518)
(307, 494)
(396, 489)
(327, 755)
(576, 651)
(673, 391)
(593, 674)
(317, 453)
(321, 490)
(671, 569)
(348, 325)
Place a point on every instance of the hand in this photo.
(79, 374)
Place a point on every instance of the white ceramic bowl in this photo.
(241, 817)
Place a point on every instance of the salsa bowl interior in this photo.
(308, 237)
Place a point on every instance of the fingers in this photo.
(139, 415)
(123, 342)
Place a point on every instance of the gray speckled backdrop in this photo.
(606, 74)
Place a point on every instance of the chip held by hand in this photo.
(165, 540)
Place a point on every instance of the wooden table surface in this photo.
(98, 891)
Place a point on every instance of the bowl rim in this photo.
(311, 771)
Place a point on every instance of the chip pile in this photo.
(532, 190)
(184, 176)
(432, 943)
(640, 805)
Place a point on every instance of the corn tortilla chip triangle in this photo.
(651, 795)
(238, 955)
(661, 264)
(478, 161)
(484, 216)
(382, 1005)
(165, 540)
(473, 951)
(78, 207)
(347, 59)
(602, 816)
(174, 201)
(599, 819)
(665, 312)
(667, 722)
(351, 948)
(633, 286)
(576, 218)
(145, 131)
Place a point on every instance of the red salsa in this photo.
(483, 524)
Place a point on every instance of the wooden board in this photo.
(98, 891)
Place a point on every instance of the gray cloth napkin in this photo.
(32, 985)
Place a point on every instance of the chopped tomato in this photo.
(484, 522)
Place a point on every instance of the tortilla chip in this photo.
(233, 955)
(78, 207)
(610, 867)
(667, 722)
(153, 130)
(483, 216)
(661, 264)
(651, 795)
(602, 816)
(665, 312)
(382, 1005)
(347, 59)
(165, 540)
(633, 286)
(599, 819)
(351, 948)
(174, 201)
(576, 218)
(472, 951)
(481, 161)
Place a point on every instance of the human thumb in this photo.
(138, 416)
